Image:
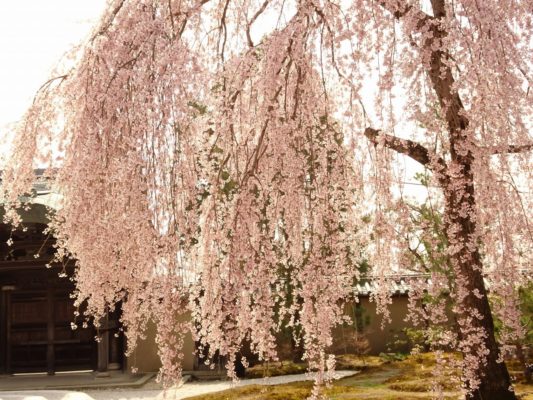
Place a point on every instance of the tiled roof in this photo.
(41, 185)
(400, 282)
(399, 285)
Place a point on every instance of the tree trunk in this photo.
(470, 291)
(456, 178)
(297, 351)
(472, 309)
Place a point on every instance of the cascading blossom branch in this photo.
(220, 179)
(216, 154)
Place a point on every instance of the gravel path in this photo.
(187, 390)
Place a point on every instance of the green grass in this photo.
(378, 379)
(276, 369)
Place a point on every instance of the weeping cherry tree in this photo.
(200, 147)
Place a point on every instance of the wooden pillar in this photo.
(103, 350)
(4, 316)
(8, 332)
(50, 351)
(114, 345)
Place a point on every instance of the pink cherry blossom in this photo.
(213, 156)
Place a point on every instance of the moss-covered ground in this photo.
(379, 379)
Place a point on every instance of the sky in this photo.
(34, 35)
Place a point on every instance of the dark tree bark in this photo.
(459, 211)
(460, 201)
(495, 379)
(459, 196)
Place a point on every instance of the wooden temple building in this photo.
(37, 313)
(38, 328)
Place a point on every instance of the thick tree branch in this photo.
(105, 26)
(510, 149)
(399, 10)
(439, 72)
(250, 23)
(439, 8)
(408, 147)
